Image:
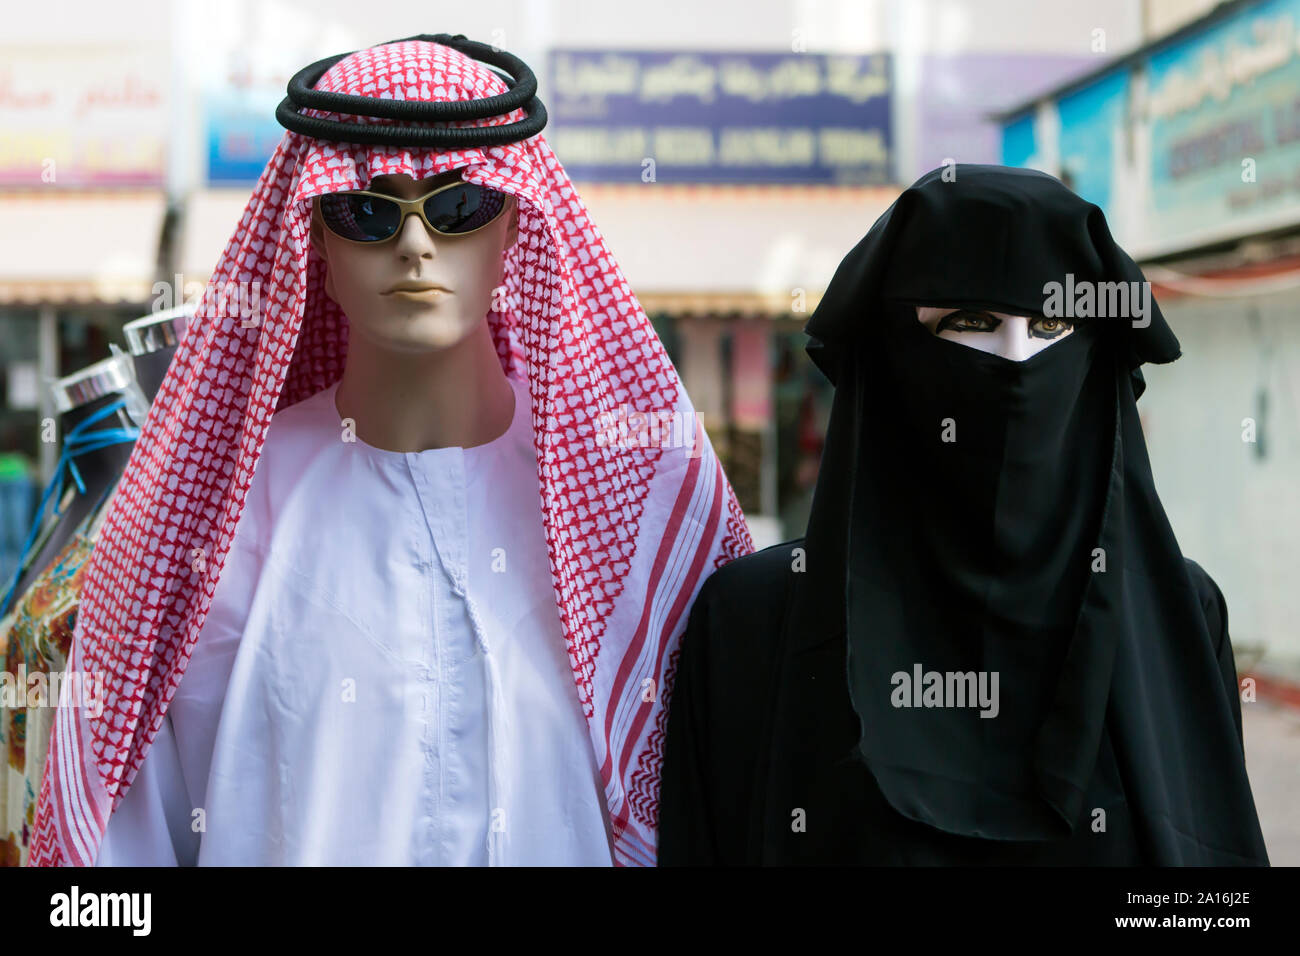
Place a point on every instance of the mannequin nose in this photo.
(416, 240)
(1013, 340)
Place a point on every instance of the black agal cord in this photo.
(522, 94)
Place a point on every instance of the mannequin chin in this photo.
(1015, 337)
(361, 277)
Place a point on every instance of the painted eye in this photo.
(964, 320)
(1049, 328)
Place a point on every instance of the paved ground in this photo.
(1273, 762)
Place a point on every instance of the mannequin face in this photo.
(1015, 337)
(362, 277)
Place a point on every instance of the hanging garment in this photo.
(991, 522)
(35, 638)
(16, 499)
(36, 633)
(83, 448)
(631, 532)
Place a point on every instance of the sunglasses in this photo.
(454, 209)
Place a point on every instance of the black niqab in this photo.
(985, 553)
(969, 555)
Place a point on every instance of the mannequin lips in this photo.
(422, 290)
(419, 295)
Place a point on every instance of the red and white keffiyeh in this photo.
(632, 531)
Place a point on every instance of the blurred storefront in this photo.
(1191, 144)
(83, 210)
(764, 403)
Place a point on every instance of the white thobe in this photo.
(339, 708)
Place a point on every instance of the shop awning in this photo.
(1242, 280)
(65, 246)
(729, 304)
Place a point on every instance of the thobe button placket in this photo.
(440, 480)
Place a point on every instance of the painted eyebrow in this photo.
(980, 312)
(956, 309)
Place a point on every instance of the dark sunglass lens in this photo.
(465, 207)
(360, 218)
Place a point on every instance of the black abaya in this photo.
(761, 736)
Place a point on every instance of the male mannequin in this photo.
(988, 648)
(425, 394)
(394, 650)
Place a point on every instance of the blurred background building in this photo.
(731, 153)
(1191, 143)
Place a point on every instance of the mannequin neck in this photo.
(409, 402)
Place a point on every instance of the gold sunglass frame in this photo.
(409, 207)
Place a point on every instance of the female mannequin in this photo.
(988, 648)
(431, 410)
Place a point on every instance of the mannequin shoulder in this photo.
(729, 653)
(742, 604)
(1213, 604)
(763, 574)
(306, 422)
